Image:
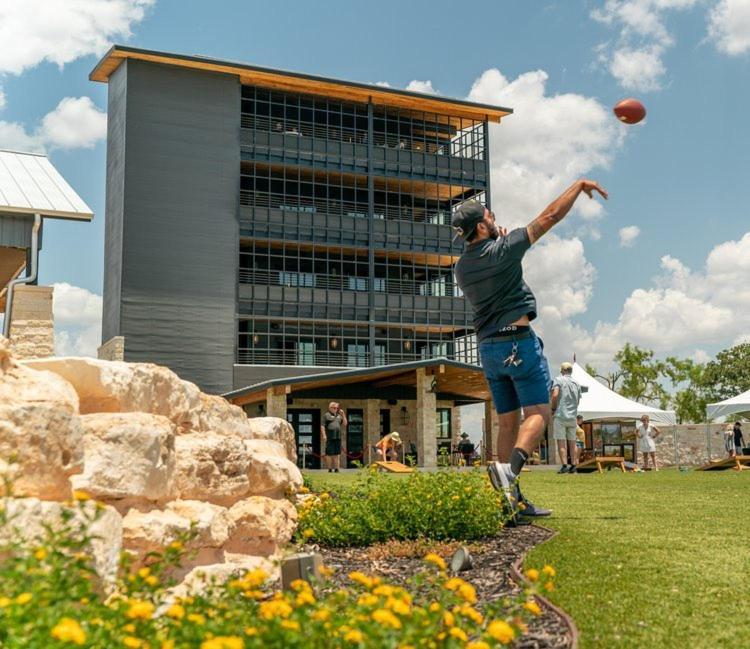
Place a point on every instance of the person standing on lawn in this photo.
(739, 440)
(490, 275)
(331, 432)
(580, 438)
(564, 400)
(646, 434)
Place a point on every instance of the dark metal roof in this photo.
(118, 53)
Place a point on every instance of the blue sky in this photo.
(680, 180)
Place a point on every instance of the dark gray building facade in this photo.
(262, 224)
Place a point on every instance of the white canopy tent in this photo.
(739, 405)
(599, 402)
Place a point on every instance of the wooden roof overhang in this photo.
(459, 380)
(305, 83)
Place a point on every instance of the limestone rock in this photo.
(275, 429)
(218, 415)
(265, 447)
(115, 386)
(27, 518)
(41, 444)
(271, 475)
(260, 526)
(199, 579)
(212, 467)
(127, 455)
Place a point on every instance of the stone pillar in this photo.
(491, 431)
(426, 420)
(276, 402)
(32, 332)
(112, 350)
(372, 428)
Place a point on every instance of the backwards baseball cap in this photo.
(466, 218)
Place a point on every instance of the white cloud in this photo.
(2, 99)
(78, 320)
(635, 58)
(628, 235)
(75, 123)
(422, 86)
(729, 26)
(33, 31)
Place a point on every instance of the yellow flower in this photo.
(437, 560)
(354, 636)
(167, 644)
(152, 580)
(326, 571)
(367, 600)
(40, 554)
(472, 614)
(255, 578)
(477, 645)
(251, 631)
(501, 631)
(129, 628)
(176, 545)
(434, 607)
(532, 607)
(5, 602)
(398, 606)
(455, 632)
(224, 642)
(361, 578)
(68, 630)
(532, 574)
(197, 618)
(308, 533)
(383, 616)
(304, 598)
(549, 586)
(24, 598)
(303, 490)
(176, 611)
(133, 643)
(144, 572)
(468, 593)
(275, 608)
(549, 571)
(384, 589)
(299, 585)
(454, 583)
(81, 496)
(322, 615)
(140, 610)
(448, 618)
(292, 625)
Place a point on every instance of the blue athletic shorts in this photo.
(513, 387)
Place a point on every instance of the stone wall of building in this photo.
(112, 350)
(692, 441)
(32, 332)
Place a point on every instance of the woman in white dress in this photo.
(646, 434)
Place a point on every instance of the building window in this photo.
(287, 278)
(444, 431)
(305, 353)
(380, 355)
(357, 283)
(356, 355)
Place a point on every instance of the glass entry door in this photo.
(355, 437)
(306, 424)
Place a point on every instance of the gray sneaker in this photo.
(505, 482)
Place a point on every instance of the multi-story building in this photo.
(264, 224)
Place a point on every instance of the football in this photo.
(630, 111)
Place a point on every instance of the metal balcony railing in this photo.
(306, 205)
(254, 356)
(262, 277)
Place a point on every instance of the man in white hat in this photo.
(565, 397)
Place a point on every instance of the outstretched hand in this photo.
(591, 186)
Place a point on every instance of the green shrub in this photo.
(457, 505)
(47, 601)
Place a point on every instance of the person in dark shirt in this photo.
(490, 275)
(331, 432)
(739, 440)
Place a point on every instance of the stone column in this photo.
(372, 428)
(426, 420)
(276, 402)
(491, 431)
(32, 332)
(112, 350)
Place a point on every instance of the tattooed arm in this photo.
(557, 209)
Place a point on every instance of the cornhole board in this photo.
(738, 463)
(393, 467)
(598, 464)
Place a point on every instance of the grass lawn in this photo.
(646, 560)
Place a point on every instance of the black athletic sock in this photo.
(518, 458)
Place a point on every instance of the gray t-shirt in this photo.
(569, 397)
(490, 275)
(333, 425)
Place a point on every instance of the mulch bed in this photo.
(493, 559)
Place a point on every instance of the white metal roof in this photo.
(29, 184)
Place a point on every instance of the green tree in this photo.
(688, 380)
(610, 379)
(642, 375)
(729, 374)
